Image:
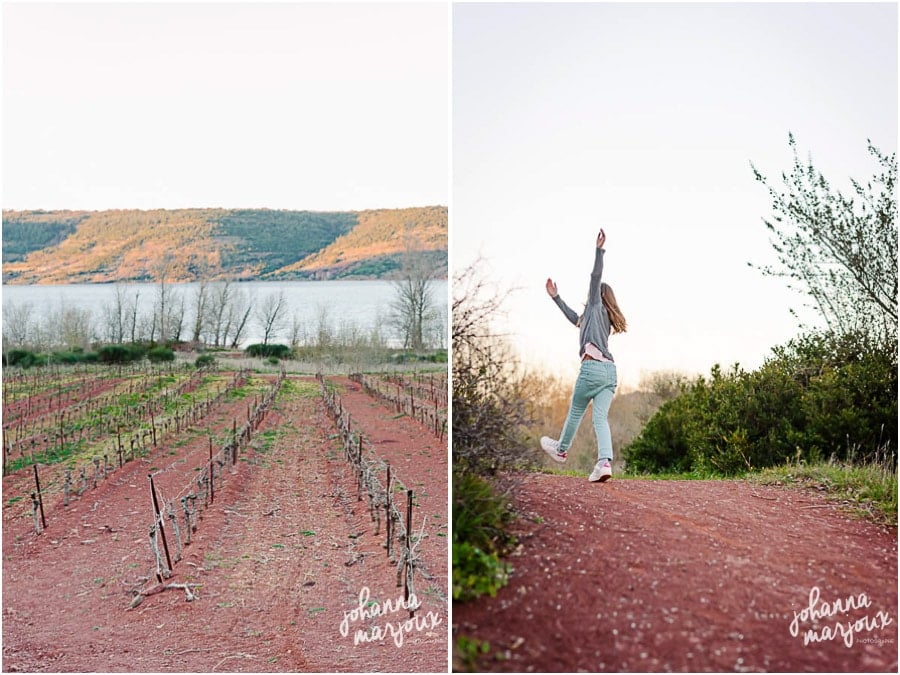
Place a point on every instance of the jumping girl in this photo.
(597, 377)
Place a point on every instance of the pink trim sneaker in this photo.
(602, 471)
(551, 447)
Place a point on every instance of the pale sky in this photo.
(332, 106)
(643, 119)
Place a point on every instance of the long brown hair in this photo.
(616, 318)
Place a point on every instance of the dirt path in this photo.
(282, 554)
(686, 576)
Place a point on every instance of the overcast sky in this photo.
(301, 106)
(643, 119)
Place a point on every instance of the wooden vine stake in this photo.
(159, 520)
(212, 489)
(387, 510)
(40, 499)
(409, 505)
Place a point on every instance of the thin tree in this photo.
(238, 316)
(200, 305)
(839, 250)
(270, 315)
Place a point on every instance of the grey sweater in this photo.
(595, 324)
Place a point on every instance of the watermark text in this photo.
(835, 615)
(367, 610)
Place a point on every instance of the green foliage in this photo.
(819, 396)
(124, 353)
(160, 354)
(476, 572)
(205, 361)
(24, 359)
(405, 356)
(74, 356)
(840, 250)
(24, 232)
(274, 239)
(469, 650)
(480, 517)
(277, 351)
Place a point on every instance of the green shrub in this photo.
(17, 357)
(160, 354)
(479, 537)
(24, 359)
(205, 361)
(124, 353)
(74, 356)
(819, 396)
(476, 573)
(278, 351)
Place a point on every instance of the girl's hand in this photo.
(601, 239)
(551, 288)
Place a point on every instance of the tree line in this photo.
(221, 314)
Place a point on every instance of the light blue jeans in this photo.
(596, 382)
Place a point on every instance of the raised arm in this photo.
(566, 310)
(597, 272)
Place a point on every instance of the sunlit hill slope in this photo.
(62, 247)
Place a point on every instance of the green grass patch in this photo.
(304, 389)
(867, 490)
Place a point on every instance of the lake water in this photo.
(360, 304)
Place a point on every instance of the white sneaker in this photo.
(551, 447)
(602, 471)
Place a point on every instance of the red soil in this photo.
(281, 556)
(686, 576)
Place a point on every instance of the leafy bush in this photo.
(124, 353)
(75, 356)
(818, 396)
(476, 573)
(160, 354)
(479, 537)
(24, 359)
(266, 350)
(205, 361)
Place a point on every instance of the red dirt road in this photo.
(687, 576)
(280, 556)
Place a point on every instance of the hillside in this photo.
(377, 244)
(63, 247)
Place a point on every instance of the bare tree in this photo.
(169, 308)
(200, 304)
(298, 330)
(270, 315)
(413, 306)
(490, 411)
(217, 315)
(239, 310)
(132, 316)
(323, 327)
(114, 315)
(17, 325)
(70, 327)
